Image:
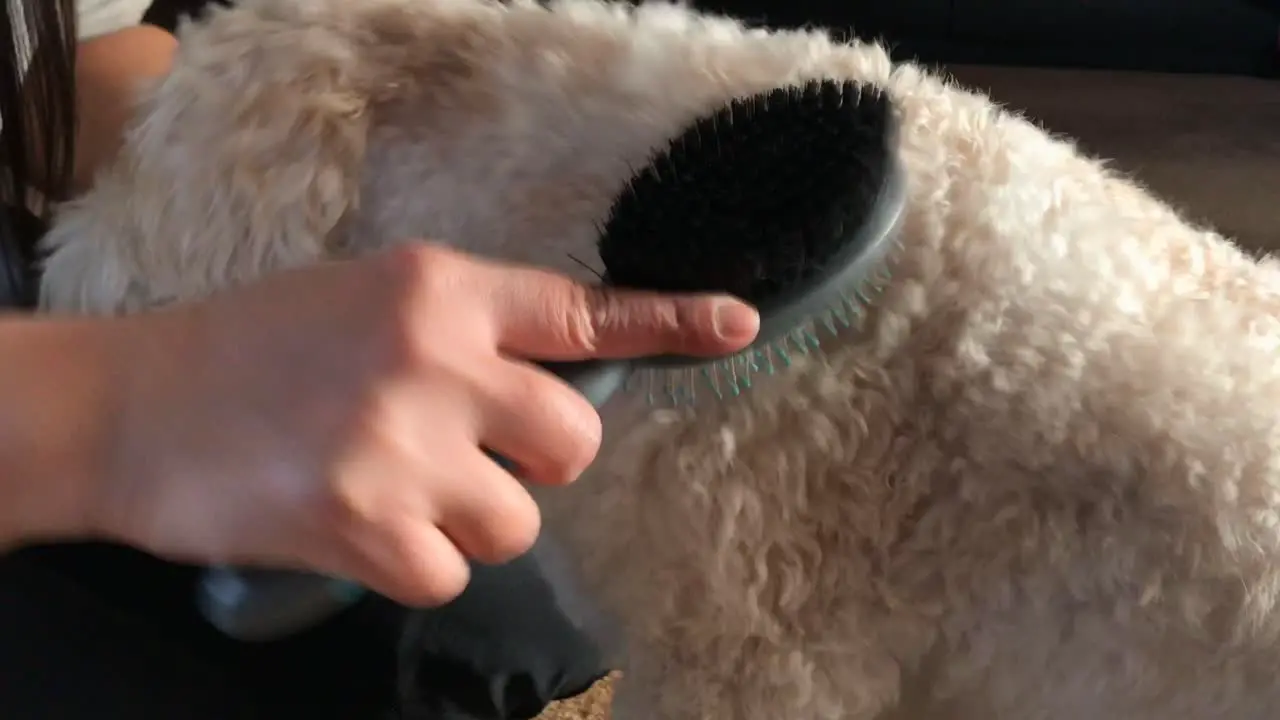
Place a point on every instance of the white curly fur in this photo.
(1043, 483)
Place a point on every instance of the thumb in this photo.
(545, 316)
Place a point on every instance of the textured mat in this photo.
(592, 705)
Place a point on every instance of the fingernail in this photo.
(736, 321)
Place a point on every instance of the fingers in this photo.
(411, 507)
(416, 553)
(479, 510)
(487, 513)
(413, 563)
(545, 429)
(545, 316)
(550, 317)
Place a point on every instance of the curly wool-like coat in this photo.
(1043, 482)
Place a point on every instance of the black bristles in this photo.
(755, 199)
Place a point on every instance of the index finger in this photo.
(542, 315)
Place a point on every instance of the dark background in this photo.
(166, 13)
(1222, 36)
(1202, 36)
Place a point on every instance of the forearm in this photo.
(110, 72)
(55, 417)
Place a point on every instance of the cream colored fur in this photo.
(1044, 483)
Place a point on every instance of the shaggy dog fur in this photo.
(1044, 482)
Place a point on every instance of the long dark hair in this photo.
(37, 102)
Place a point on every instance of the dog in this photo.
(1042, 481)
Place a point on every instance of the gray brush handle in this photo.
(261, 605)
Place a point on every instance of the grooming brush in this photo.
(789, 199)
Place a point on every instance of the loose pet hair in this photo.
(1043, 482)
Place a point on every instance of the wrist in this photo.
(58, 402)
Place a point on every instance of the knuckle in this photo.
(351, 501)
(419, 283)
(583, 437)
(428, 590)
(411, 272)
(420, 264)
(511, 527)
(603, 316)
(657, 316)
(588, 310)
(422, 578)
(435, 591)
(347, 508)
(570, 427)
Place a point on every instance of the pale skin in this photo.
(330, 418)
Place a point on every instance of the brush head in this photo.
(755, 199)
(788, 200)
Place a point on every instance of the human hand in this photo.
(332, 418)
